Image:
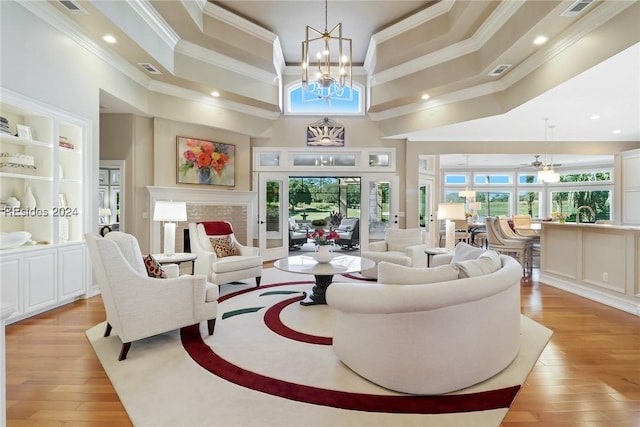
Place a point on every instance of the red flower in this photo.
(204, 159)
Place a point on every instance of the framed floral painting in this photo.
(205, 162)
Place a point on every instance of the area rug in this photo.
(270, 363)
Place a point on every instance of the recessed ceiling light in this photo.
(595, 117)
(109, 38)
(617, 131)
(215, 93)
(540, 40)
(425, 96)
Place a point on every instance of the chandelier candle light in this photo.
(170, 212)
(450, 212)
(331, 76)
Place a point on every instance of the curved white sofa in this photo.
(429, 338)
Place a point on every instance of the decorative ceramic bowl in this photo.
(13, 240)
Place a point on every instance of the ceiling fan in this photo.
(538, 164)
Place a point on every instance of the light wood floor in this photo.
(588, 375)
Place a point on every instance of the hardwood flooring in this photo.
(588, 375)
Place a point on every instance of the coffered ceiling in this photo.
(248, 51)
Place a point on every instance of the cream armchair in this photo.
(138, 306)
(220, 270)
(400, 246)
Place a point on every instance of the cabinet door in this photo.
(71, 272)
(11, 274)
(40, 279)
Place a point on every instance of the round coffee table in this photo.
(323, 272)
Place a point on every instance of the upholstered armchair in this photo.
(220, 256)
(400, 246)
(139, 306)
(349, 232)
(297, 234)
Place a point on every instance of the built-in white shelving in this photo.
(52, 268)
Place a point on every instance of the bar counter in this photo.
(597, 261)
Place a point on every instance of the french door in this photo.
(379, 200)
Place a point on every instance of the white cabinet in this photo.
(40, 273)
(11, 279)
(72, 271)
(48, 160)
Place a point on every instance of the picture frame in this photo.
(23, 131)
(203, 162)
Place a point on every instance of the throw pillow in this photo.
(153, 268)
(465, 252)
(486, 263)
(395, 274)
(223, 246)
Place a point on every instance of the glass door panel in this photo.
(380, 202)
(273, 233)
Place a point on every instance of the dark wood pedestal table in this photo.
(323, 272)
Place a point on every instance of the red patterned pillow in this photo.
(223, 246)
(153, 268)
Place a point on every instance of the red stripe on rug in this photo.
(273, 322)
(206, 357)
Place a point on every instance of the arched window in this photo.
(299, 102)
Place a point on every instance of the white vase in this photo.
(28, 199)
(323, 254)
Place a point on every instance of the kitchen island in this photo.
(597, 261)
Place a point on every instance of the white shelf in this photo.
(41, 276)
(23, 176)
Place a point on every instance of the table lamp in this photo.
(104, 213)
(170, 213)
(450, 212)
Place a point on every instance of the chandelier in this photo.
(547, 174)
(326, 61)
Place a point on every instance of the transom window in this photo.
(349, 103)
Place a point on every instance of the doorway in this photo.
(371, 198)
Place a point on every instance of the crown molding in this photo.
(450, 98)
(238, 22)
(214, 58)
(191, 95)
(52, 16)
(591, 21)
(158, 25)
(493, 24)
(413, 21)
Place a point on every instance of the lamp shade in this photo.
(468, 194)
(104, 212)
(475, 206)
(451, 211)
(548, 175)
(170, 211)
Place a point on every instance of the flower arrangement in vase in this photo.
(323, 239)
(206, 157)
(559, 216)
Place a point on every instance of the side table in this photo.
(177, 258)
(434, 251)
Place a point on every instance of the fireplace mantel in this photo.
(206, 197)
